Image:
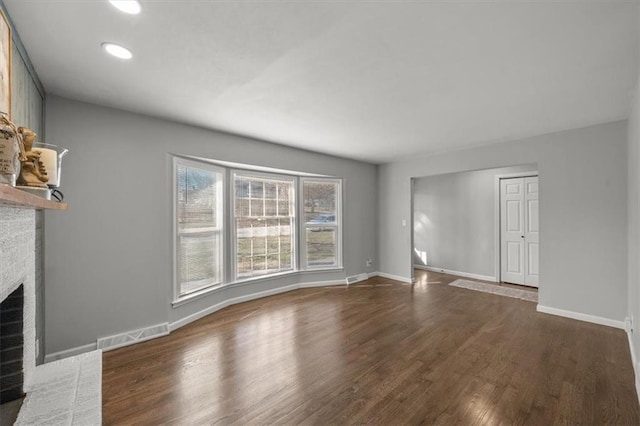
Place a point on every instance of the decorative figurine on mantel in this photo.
(33, 172)
(11, 151)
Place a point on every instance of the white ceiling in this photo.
(371, 80)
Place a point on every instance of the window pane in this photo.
(264, 234)
(270, 207)
(198, 261)
(284, 208)
(256, 189)
(259, 237)
(242, 207)
(199, 222)
(320, 202)
(321, 247)
(270, 190)
(257, 209)
(196, 198)
(322, 223)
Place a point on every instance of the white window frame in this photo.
(226, 224)
(221, 219)
(232, 222)
(304, 226)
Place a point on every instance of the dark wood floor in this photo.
(378, 353)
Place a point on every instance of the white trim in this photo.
(458, 273)
(412, 206)
(293, 203)
(407, 280)
(70, 352)
(240, 299)
(220, 184)
(336, 226)
(250, 167)
(581, 317)
(634, 363)
(229, 171)
(191, 318)
(253, 280)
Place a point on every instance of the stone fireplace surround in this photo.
(65, 392)
(17, 266)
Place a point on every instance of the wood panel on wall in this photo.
(27, 99)
(27, 109)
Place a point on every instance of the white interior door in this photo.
(519, 231)
(512, 230)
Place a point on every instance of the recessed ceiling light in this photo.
(117, 50)
(132, 7)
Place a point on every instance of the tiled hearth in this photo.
(63, 392)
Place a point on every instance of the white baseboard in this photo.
(159, 330)
(211, 309)
(132, 337)
(70, 352)
(634, 363)
(458, 273)
(391, 277)
(581, 317)
(113, 342)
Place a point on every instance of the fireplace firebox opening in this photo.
(11, 346)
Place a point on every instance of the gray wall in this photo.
(583, 212)
(633, 216)
(109, 256)
(454, 220)
(27, 109)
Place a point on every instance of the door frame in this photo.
(497, 236)
(412, 183)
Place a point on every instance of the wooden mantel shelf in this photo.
(13, 197)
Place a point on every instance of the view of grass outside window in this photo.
(199, 225)
(264, 213)
(321, 198)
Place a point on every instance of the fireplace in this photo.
(11, 346)
(17, 305)
(67, 391)
(17, 277)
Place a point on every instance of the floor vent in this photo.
(131, 337)
(356, 278)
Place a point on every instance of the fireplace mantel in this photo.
(13, 197)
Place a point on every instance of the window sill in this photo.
(253, 280)
(196, 295)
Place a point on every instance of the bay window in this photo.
(274, 223)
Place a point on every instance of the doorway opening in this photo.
(457, 228)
